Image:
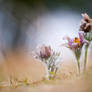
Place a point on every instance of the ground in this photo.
(20, 74)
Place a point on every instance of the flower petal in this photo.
(86, 41)
(81, 36)
(74, 45)
(70, 41)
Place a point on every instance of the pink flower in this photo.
(86, 23)
(44, 52)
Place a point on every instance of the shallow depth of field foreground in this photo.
(22, 73)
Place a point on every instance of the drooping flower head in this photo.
(86, 23)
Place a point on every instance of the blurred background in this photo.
(28, 23)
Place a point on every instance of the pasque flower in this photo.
(86, 23)
(86, 26)
(44, 52)
(50, 58)
(76, 44)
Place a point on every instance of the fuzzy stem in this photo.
(85, 58)
(78, 63)
(50, 73)
(78, 54)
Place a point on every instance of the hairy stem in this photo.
(78, 54)
(78, 63)
(85, 58)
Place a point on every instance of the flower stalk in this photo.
(85, 57)
(86, 27)
(75, 44)
(78, 54)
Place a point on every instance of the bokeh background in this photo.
(24, 25)
(27, 23)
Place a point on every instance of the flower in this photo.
(44, 52)
(86, 26)
(86, 23)
(76, 42)
(50, 58)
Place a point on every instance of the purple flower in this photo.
(76, 42)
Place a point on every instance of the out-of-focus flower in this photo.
(86, 23)
(86, 26)
(44, 52)
(50, 58)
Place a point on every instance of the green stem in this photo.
(52, 75)
(85, 58)
(78, 54)
(78, 63)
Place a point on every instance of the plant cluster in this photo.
(52, 59)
